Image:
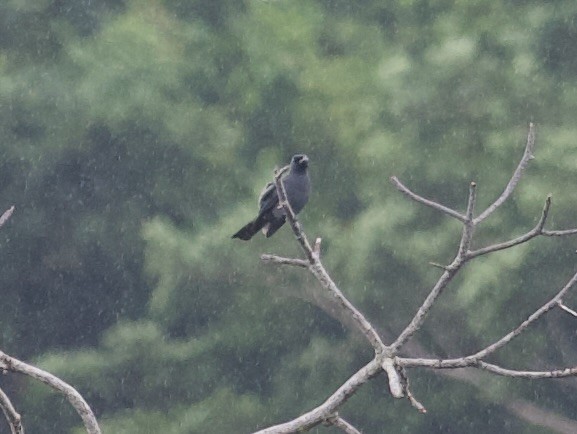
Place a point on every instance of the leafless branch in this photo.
(559, 233)
(284, 261)
(7, 214)
(424, 309)
(527, 156)
(339, 422)
(531, 375)
(317, 269)
(8, 363)
(386, 357)
(427, 202)
(476, 359)
(328, 408)
(566, 308)
(536, 231)
(468, 226)
(291, 217)
(532, 318)
(473, 362)
(414, 402)
(12, 417)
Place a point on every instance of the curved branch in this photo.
(274, 259)
(536, 231)
(427, 202)
(317, 269)
(527, 156)
(532, 318)
(339, 422)
(531, 375)
(424, 309)
(7, 214)
(468, 226)
(327, 409)
(12, 417)
(8, 363)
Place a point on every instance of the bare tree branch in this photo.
(12, 416)
(285, 261)
(386, 358)
(317, 269)
(566, 309)
(559, 233)
(414, 402)
(7, 214)
(471, 362)
(532, 318)
(339, 422)
(536, 231)
(291, 217)
(427, 202)
(424, 309)
(468, 226)
(527, 156)
(8, 363)
(328, 408)
(476, 359)
(532, 375)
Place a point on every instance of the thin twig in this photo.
(441, 266)
(419, 318)
(468, 226)
(532, 318)
(317, 247)
(532, 375)
(566, 308)
(527, 156)
(469, 362)
(339, 422)
(449, 272)
(414, 402)
(7, 214)
(476, 358)
(76, 400)
(284, 261)
(12, 416)
(536, 231)
(559, 233)
(427, 202)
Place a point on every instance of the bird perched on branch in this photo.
(271, 215)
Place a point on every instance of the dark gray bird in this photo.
(271, 215)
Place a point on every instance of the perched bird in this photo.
(271, 216)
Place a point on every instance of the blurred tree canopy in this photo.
(135, 136)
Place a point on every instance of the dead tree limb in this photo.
(10, 364)
(386, 358)
(12, 416)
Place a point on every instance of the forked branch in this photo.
(386, 356)
(12, 416)
(11, 364)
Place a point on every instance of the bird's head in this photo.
(300, 162)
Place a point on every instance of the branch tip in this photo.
(566, 308)
(441, 266)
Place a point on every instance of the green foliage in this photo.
(136, 135)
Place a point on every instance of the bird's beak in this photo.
(305, 160)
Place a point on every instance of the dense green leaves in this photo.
(135, 137)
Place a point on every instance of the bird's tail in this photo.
(248, 230)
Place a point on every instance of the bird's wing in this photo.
(268, 197)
